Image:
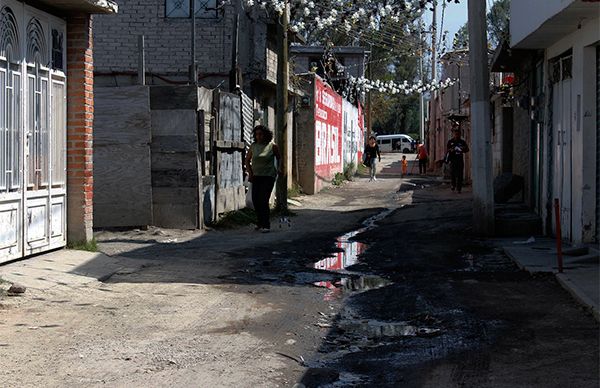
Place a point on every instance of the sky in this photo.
(455, 16)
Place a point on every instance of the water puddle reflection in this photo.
(348, 254)
(378, 329)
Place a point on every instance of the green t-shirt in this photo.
(263, 160)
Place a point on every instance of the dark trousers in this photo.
(422, 166)
(456, 173)
(262, 186)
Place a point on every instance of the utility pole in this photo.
(282, 105)
(193, 68)
(369, 106)
(433, 107)
(481, 160)
(421, 95)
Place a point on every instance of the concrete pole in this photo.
(481, 148)
(282, 105)
(421, 95)
(433, 106)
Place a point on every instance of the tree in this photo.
(498, 26)
(498, 21)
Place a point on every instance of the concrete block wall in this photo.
(167, 40)
(304, 141)
(80, 121)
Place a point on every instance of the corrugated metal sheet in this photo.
(247, 119)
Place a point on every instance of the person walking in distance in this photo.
(372, 155)
(261, 161)
(422, 157)
(457, 147)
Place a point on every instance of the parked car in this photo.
(396, 142)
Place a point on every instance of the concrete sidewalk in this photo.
(66, 268)
(581, 267)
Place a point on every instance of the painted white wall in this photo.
(583, 126)
(529, 15)
(353, 141)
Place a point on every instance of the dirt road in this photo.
(374, 284)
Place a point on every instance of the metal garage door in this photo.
(32, 131)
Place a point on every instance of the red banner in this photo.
(328, 131)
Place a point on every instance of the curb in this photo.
(578, 295)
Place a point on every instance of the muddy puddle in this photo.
(348, 254)
(373, 329)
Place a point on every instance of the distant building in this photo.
(166, 26)
(450, 108)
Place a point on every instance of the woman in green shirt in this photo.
(263, 163)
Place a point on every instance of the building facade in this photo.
(450, 108)
(46, 124)
(563, 110)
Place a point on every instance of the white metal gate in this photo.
(563, 124)
(32, 131)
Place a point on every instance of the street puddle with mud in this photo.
(377, 329)
(348, 254)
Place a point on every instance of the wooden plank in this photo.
(175, 178)
(165, 161)
(176, 208)
(121, 115)
(177, 122)
(175, 143)
(122, 186)
(170, 97)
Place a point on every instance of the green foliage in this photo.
(498, 26)
(236, 219)
(338, 179)
(89, 246)
(349, 171)
(363, 170)
(295, 191)
(461, 39)
(498, 22)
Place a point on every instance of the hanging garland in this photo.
(363, 16)
(363, 84)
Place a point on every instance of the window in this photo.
(386, 141)
(205, 9)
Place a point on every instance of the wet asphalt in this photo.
(419, 301)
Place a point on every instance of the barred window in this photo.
(205, 9)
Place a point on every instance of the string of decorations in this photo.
(391, 87)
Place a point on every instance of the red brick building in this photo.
(46, 123)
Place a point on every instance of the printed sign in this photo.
(328, 131)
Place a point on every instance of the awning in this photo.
(87, 6)
(509, 60)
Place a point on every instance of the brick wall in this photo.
(167, 40)
(80, 117)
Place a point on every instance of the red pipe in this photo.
(559, 255)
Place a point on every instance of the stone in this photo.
(16, 289)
